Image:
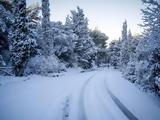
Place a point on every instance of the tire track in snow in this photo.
(127, 113)
(82, 112)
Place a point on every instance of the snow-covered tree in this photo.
(68, 24)
(102, 57)
(99, 38)
(124, 58)
(124, 32)
(126, 46)
(151, 24)
(6, 4)
(144, 68)
(84, 46)
(130, 40)
(6, 19)
(130, 72)
(114, 53)
(22, 45)
(155, 70)
(47, 40)
(63, 39)
(33, 19)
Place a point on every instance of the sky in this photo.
(106, 15)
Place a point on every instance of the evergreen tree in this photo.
(84, 46)
(63, 42)
(33, 20)
(130, 40)
(68, 24)
(124, 58)
(114, 53)
(151, 24)
(22, 45)
(99, 38)
(154, 78)
(6, 4)
(6, 19)
(47, 48)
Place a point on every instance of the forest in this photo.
(56, 70)
(31, 44)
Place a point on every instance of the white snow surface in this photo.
(74, 95)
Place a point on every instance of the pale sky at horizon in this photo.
(107, 15)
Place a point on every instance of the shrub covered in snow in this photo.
(142, 72)
(130, 72)
(43, 65)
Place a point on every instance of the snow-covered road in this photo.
(97, 103)
(94, 95)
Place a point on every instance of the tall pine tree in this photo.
(84, 46)
(22, 45)
(47, 48)
(151, 24)
(124, 58)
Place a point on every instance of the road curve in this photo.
(82, 113)
(95, 103)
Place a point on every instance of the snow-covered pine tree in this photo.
(114, 53)
(130, 72)
(84, 46)
(63, 38)
(124, 58)
(68, 24)
(47, 48)
(100, 41)
(33, 19)
(22, 45)
(151, 24)
(6, 18)
(130, 40)
(154, 77)
(7, 4)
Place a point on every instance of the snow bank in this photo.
(141, 104)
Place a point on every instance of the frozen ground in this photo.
(94, 95)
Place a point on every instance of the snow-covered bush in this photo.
(142, 72)
(43, 65)
(85, 64)
(130, 72)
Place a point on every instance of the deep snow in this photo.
(74, 95)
